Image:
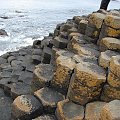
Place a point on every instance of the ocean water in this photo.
(28, 19)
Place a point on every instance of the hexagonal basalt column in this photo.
(26, 107)
(49, 98)
(43, 74)
(64, 70)
(93, 110)
(111, 111)
(85, 84)
(67, 110)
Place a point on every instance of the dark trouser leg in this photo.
(104, 4)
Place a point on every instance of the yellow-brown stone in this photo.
(111, 111)
(93, 110)
(113, 80)
(67, 110)
(115, 65)
(111, 93)
(96, 19)
(64, 69)
(112, 21)
(110, 43)
(104, 59)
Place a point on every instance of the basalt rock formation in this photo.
(72, 74)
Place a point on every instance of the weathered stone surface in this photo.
(93, 110)
(37, 52)
(49, 98)
(37, 44)
(90, 75)
(113, 80)
(82, 26)
(2, 60)
(65, 27)
(67, 110)
(92, 32)
(109, 43)
(110, 93)
(84, 58)
(89, 39)
(75, 41)
(104, 59)
(112, 21)
(96, 19)
(109, 32)
(5, 108)
(77, 19)
(45, 42)
(36, 59)
(20, 88)
(85, 49)
(115, 65)
(73, 34)
(26, 107)
(16, 63)
(46, 55)
(43, 74)
(64, 35)
(1, 93)
(60, 42)
(85, 84)
(73, 29)
(46, 117)
(111, 111)
(63, 73)
(5, 74)
(26, 77)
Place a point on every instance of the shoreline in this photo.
(65, 75)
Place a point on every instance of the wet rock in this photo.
(60, 42)
(67, 110)
(37, 44)
(46, 117)
(26, 107)
(43, 74)
(46, 42)
(49, 98)
(5, 108)
(112, 21)
(77, 19)
(20, 88)
(93, 110)
(46, 55)
(3, 32)
(104, 59)
(1, 93)
(109, 43)
(111, 111)
(5, 56)
(63, 35)
(63, 73)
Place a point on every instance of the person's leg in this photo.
(104, 4)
